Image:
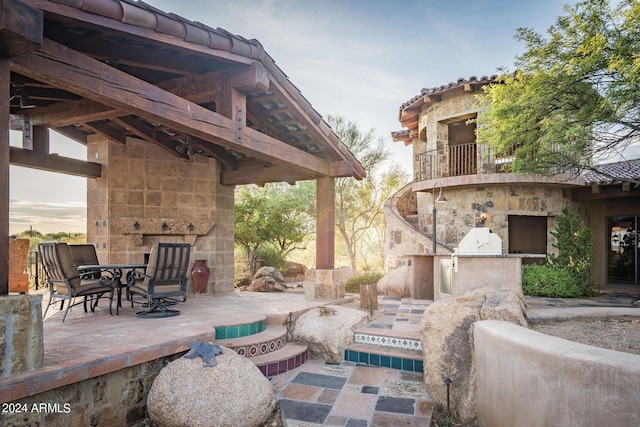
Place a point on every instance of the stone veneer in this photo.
(490, 206)
(143, 182)
(472, 201)
(326, 285)
(21, 340)
(115, 399)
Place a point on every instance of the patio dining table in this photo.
(117, 271)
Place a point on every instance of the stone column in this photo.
(21, 328)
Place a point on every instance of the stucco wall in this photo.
(525, 378)
(142, 180)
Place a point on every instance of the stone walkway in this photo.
(352, 394)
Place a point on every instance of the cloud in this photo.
(47, 217)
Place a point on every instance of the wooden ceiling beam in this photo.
(149, 134)
(69, 70)
(252, 172)
(107, 131)
(72, 132)
(54, 163)
(219, 153)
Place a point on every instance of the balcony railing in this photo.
(457, 160)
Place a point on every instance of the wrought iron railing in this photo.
(460, 159)
(35, 270)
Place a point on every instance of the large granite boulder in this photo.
(328, 330)
(446, 332)
(394, 283)
(267, 279)
(233, 393)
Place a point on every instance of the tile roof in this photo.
(613, 173)
(451, 86)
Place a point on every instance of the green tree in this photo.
(576, 94)
(359, 204)
(279, 215)
(573, 242)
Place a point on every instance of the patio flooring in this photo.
(92, 344)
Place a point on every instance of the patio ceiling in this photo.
(124, 69)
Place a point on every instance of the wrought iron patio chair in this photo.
(65, 282)
(85, 254)
(164, 282)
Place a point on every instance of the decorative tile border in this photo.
(264, 347)
(385, 361)
(389, 341)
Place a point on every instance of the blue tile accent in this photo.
(407, 365)
(418, 365)
(253, 328)
(374, 359)
(221, 332)
(353, 356)
(232, 332)
(385, 361)
(244, 330)
(363, 357)
(396, 363)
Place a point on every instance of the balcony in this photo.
(458, 160)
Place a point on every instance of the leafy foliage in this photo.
(550, 281)
(359, 204)
(576, 93)
(566, 275)
(279, 215)
(352, 285)
(36, 237)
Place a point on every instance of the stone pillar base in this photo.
(22, 348)
(326, 285)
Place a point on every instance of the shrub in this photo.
(271, 257)
(352, 285)
(550, 281)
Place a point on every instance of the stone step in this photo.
(273, 338)
(388, 357)
(280, 361)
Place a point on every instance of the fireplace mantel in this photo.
(137, 227)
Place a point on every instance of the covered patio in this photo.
(174, 114)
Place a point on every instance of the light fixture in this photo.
(440, 199)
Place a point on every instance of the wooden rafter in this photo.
(62, 67)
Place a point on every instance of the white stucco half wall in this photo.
(526, 378)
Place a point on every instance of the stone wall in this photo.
(115, 399)
(143, 184)
(490, 206)
(21, 340)
(401, 238)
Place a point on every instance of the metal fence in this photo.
(37, 276)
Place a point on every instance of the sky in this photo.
(360, 59)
